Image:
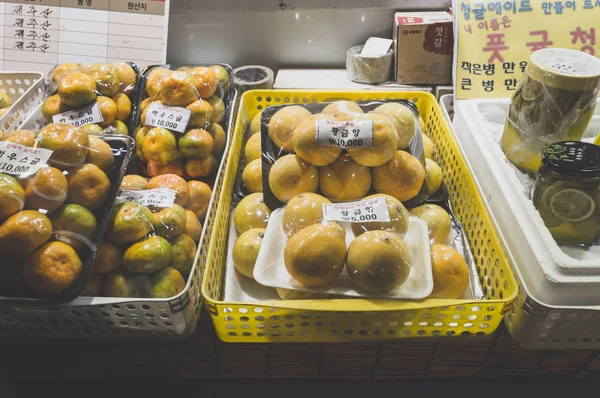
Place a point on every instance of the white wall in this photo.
(276, 33)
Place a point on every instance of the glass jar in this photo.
(567, 191)
(554, 102)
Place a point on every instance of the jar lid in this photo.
(572, 158)
(565, 69)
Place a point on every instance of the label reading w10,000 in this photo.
(345, 134)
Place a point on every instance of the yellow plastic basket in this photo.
(360, 319)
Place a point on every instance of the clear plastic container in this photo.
(554, 102)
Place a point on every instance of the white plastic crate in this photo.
(447, 105)
(552, 307)
(27, 90)
(102, 317)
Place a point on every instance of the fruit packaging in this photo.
(100, 98)
(57, 186)
(183, 121)
(151, 238)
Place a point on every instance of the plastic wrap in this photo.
(5, 103)
(330, 257)
(369, 69)
(183, 120)
(554, 102)
(343, 150)
(100, 98)
(57, 187)
(151, 238)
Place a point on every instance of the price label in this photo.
(370, 210)
(170, 117)
(159, 197)
(80, 117)
(20, 160)
(350, 134)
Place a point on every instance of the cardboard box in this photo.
(423, 46)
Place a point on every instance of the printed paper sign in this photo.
(170, 117)
(39, 34)
(495, 40)
(20, 160)
(371, 210)
(350, 134)
(80, 117)
(159, 197)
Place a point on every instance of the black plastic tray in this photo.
(136, 165)
(271, 152)
(131, 122)
(17, 292)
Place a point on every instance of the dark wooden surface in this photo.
(204, 356)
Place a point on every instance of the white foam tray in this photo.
(238, 288)
(270, 268)
(554, 275)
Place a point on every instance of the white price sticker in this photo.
(80, 117)
(170, 117)
(159, 197)
(370, 210)
(20, 160)
(349, 134)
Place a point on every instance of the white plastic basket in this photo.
(90, 317)
(447, 105)
(26, 89)
(541, 315)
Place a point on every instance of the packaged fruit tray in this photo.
(98, 98)
(317, 320)
(184, 113)
(21, 93)
(175, 316)
(58, 186)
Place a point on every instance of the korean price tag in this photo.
(159, 197)
(350, 134)
(20, 160)
(170, 117)
(370, 210)
(80, 117)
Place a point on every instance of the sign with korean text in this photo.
(345, 134)
(170, 117)
(38, 34)
(80, 117)
(159, 197)
(370, 210)
(19, 160)
(496, 39)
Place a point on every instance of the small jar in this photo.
(567, 192)
(554, 102)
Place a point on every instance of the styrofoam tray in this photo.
(555, 275)
(270, 269)
(239, 288)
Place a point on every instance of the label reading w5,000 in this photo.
(345, 134)
(367, 210)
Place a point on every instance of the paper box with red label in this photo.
(423, 43)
